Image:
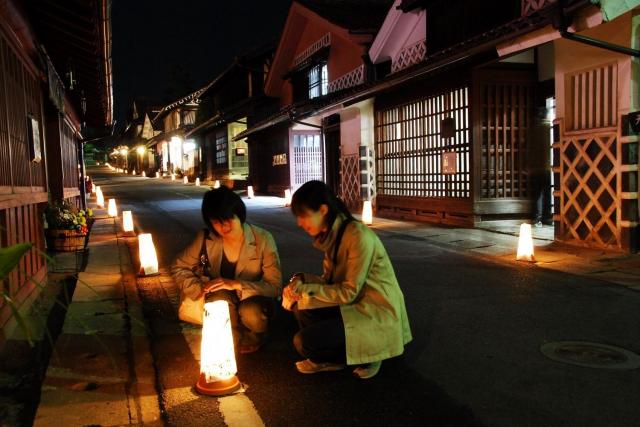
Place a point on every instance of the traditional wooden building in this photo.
(594, 49)
(173, 152)
(225, 106)
(321, 55)
(55, 84)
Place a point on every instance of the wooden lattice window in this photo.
(409, 147)
(591, 98)
(350, 182)
(307, 158)
(590, 181)
(506, 117)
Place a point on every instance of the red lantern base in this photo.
(217, 388)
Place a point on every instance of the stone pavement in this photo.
(101, 371)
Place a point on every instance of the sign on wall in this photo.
(449, 163)
(280, 159)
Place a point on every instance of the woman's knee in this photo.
(254, 315)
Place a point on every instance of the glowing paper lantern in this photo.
(287, 197)
(367, 213)
(157, 174)
(185, 180)
(99, 198)
(250, 192)
(133, 172)
(173, 177)
(144, 174)
(216, 184)
(217, 358)
(525, 244)
(112, 210)
(197, 182)
(148, 257)
(127, 222)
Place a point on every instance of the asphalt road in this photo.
(478, 326)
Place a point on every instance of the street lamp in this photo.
(217, 357)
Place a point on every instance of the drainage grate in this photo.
(591, 355)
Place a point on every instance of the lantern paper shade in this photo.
(367, 213)
(216, 184)
(144, 174)
(197, 182)
(99, 198)
(127, 221)
(148, 257)
(217, 358)
(250, 192)
(157, 174)
(185, 180)
(112, 210)
(173, 177)
(133, 172)
(287, 197)
(525, 244)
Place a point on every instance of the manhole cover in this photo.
(591, 355)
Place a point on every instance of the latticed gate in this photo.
(590, 198)
(350, 182)
(590, 155)
(307, 158)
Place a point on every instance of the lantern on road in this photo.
(525, 244)
(287, 197)
(197, 182)
(99, 198)
(217, 358)
(157, 174)
(250, 192)
(144, 174)
(185, 180)
(216, 184)
(112, 210)
(367, 213)
(148, 257)
(173, 177)
(127, 222)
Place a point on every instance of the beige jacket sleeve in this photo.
(359, 253)
(182, 269)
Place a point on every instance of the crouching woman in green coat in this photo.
(354, 314)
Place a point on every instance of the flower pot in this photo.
(65, 240)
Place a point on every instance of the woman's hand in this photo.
(220, 284)
(289, 292)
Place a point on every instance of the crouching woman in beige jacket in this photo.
(354, 314)
(235, 262)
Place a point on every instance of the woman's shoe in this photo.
(307, 366)
(367, 371)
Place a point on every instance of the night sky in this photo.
(164, 49)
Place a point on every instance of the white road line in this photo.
(238, 411)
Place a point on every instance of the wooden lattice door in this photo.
(350, 182)
(590, 189)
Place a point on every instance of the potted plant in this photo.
(66, 228)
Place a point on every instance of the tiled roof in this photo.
(354, 15)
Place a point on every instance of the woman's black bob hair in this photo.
(221, 204)
(312, 194)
